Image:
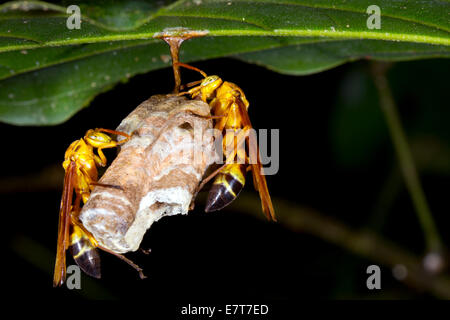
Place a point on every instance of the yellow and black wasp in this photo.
(81, 175)
(229, 110)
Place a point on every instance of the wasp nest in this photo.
(158, 171)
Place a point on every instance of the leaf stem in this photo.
(406, 162)
(147, 35)
(361, 242)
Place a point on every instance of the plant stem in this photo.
(175, 44)
(363, 243)
(404, 156)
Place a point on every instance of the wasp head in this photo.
(96, 138)
(209, 85)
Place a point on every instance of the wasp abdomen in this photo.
(84, 253)
(226, 187)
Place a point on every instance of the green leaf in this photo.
(49, 72)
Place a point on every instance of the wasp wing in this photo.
(59, 275)
(259, 179)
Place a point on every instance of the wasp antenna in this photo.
(184, 65)
(190, 84)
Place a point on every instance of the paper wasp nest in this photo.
(158, 170)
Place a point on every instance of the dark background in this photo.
(335, 157)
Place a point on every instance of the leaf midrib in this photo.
(165, 12)
(427, 24)
(350, 35)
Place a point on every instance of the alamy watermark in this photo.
(241, 146)
(374, 280)
(374, 19)
(74, 20)
(73, 277)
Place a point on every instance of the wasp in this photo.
(229, 109)
(81, 175)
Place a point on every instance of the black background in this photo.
(228, 256)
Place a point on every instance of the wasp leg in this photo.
(227, 161)
(101, 159)
(122, 257)
(190, 84)
(145, 251)
(203, 183)
(209, 117)
(98, 184)
(119, 133)
(91, 182)
(230, 157)
(94, 242)
(208, 178)
(74, 219)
